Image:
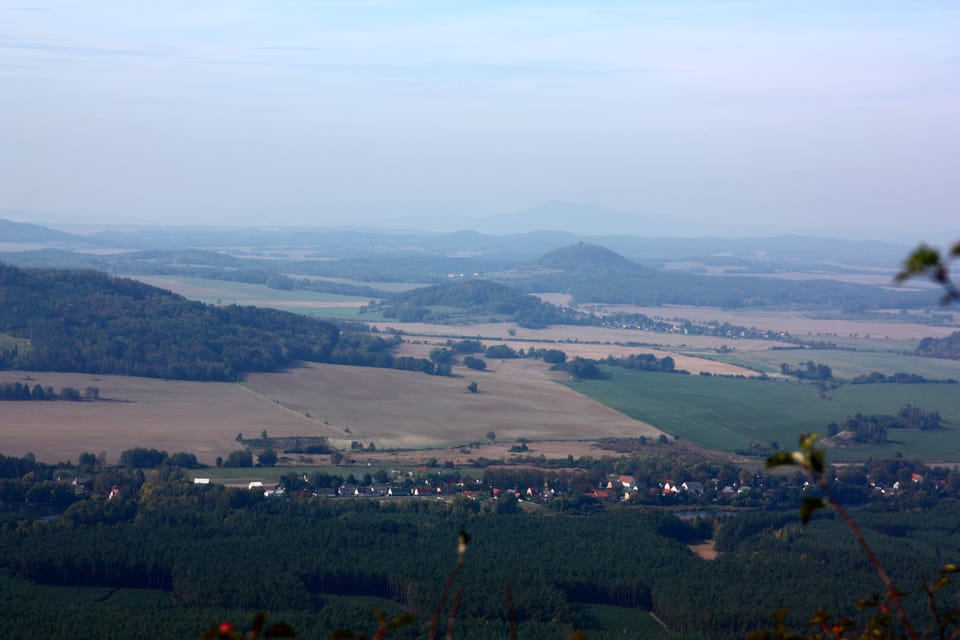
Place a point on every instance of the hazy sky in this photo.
(806, 114)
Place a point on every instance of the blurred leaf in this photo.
(919, 262)
(780, 458)
(955, 250)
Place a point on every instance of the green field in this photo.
(227, 292)
(845, 364)
(728, 413)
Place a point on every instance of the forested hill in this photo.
(464, 295)
(447, 302)
(595, 274)
(87, 321)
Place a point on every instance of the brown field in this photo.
(198, 417)
(794, 322)
(588, 350)
(560, 334)
(394, 409)
(399, 409)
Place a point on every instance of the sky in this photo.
(797, 116)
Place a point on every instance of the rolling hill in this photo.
(87, 321)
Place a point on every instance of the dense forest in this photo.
(91, 322)
(166, 563)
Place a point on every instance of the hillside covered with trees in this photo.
(90, 322)
(948, 347)
(447, 302)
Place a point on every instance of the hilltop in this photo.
(584, 256)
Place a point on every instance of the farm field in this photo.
(568, 335)
(798, 323)
(692, 363)
(398, 409)
(727, 414)
(226, 292)
(394, 409)
(847, 364)
(198, 417)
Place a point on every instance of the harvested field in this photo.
(570, 335)
(399, 409)
(794, 322)
(596, 351)
(198, 417)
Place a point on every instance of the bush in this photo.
(472, 362)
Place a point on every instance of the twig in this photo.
(452, 618)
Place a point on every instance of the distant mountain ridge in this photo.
(11, 231)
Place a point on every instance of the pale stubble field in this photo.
(393, 409)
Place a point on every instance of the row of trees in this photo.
(20, 391)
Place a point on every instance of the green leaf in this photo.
(919, 262)
(809, 507)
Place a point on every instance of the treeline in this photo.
(873, 428)
(20, 391)
(897, 378)
(807, 371)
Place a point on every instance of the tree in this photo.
(239, 458)
(475, 363)
(263, 434)
(491, 437)
(473, 387)
(267, 458)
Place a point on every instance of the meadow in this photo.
(727, 414)
(846, 364)
(227, 292)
